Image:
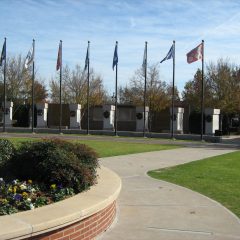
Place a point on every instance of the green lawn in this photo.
(216, 177)
(108, 148)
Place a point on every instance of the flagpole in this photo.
(33, 76)
(115, 113)
(202, 97)
(4, 86)
(88, 90)
(60, 94)
(173, 91)
(145, 89)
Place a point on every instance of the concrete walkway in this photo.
(156, 210)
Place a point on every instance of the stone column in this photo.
(108, 117)
(75, 115)
(177, 119)
(42, 109)
(8, 113)
(211, 120)
(140, 118)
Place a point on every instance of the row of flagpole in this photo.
(3, 58)
(192, 56)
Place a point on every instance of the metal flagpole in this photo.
(88, 89)
(33, 76)
(4, 86)
(173, 91)
(202, 98)
(60, 95)
(145, 89)
(115, 113)
(150, 109)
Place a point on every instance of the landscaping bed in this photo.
(39, 173)
(82, 216)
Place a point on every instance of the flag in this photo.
(169, 55)
(3, 55)
(115, 56)
(30, 57)
(144, 64)
(87, 59)
(195, 54)
(59, 59)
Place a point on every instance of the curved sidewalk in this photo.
(156, 210)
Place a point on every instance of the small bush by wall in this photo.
(6, 151)
(55, 162)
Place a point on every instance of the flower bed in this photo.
(57, 169)
(82, 216)
(19, 196)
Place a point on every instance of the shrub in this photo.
(6, 151)
(85, 154)
(55, 162)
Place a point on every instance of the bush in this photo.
(55, 162)
(86, 155)
(6, 151)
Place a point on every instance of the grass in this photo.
(17, 141)
(108, 148)
(216, 177)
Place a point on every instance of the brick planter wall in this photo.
(83, 216)
(85, 229)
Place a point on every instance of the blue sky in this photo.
(131, 23)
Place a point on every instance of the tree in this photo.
(74, 87)
(40, 92)
(224, 84)
(222, 87)
(158, 94)
(19, 82)
(192, 93)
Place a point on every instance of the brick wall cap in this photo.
(51, 217)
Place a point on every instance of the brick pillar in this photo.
(75, 115)
(108, 117)
(211, 120)
(42, 109)
(8, 113)
(140, 118)
(177, 119)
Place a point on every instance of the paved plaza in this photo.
(153, 209)
(150, 209)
